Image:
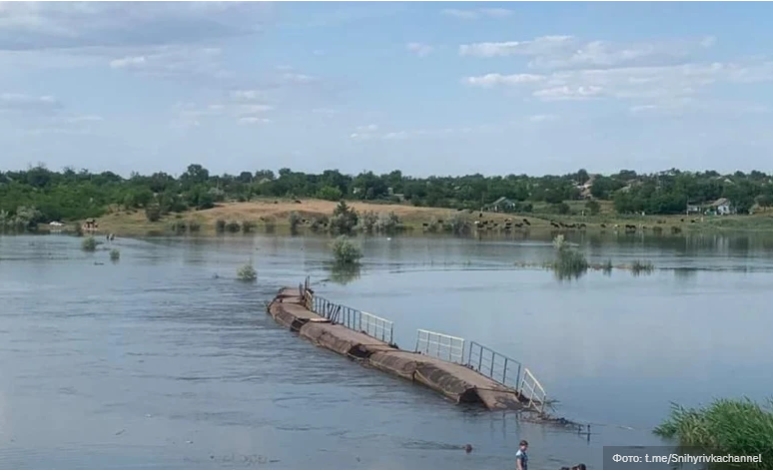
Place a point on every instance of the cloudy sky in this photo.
(429, 88)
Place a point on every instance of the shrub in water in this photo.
(115, 255)
(388, 223)
(248, 226)
(345, 251)
(344, 219)
(295, 220)
(369, 220)
(89, 244)
(569, 262)
(232, 227)
(640, 266)
(246, 273)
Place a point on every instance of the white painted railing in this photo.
(375, 326)
(441, 346)
(532, 389)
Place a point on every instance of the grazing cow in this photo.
(603, 225)
(526, 221)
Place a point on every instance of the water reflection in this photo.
(344, 274)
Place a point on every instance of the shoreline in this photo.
(273, 216)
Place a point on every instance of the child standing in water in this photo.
(521, 459)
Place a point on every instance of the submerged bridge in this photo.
(465, 371)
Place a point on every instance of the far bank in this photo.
(311, 215)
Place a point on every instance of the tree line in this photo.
(42, 195)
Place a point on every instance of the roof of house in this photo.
(721, 202)
(503, 199)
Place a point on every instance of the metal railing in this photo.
(532, 388)
(494, 365)
(370, 324)
(377, 327)
(440, 346)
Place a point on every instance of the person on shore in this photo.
(521, 458)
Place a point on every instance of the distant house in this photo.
(693, 208)
(722, 207)
(502, 205)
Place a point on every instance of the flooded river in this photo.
(164, 360)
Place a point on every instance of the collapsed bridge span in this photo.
(438, 361)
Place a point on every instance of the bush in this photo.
(115, 254)
(153, 213)
(232, 227)
(569, 263)
(319, 223)
(727, 426)
(593, 207)
(345, 251)
(640, 266)
(295, 219)
(89, 244)
(248, 226)
(246, 273)
(220, 225)
(193, 226)
(388, 223)
(344, 219)
(369, 220)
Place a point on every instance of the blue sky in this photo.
(428, 88)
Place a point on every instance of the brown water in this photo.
(153, 362)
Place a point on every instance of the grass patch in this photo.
(727, 426)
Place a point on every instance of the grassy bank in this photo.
(727, 426)
(275, 215)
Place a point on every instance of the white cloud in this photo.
(22, 103)
(253, 120)
(569, 93)
(539, 118)
(192, 115)
(557, 52)
(656, 82)
(477, 13)
(175, 62)
(492, 80)
(683, 106)
(545, 45)
(27, 26)
(370, 132)
(419, 49)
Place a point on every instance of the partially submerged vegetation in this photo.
(115, 255)
(89, 244)
(727, 426)
(345, 252)
(569, 262)
(246, 273)
(639, 267)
